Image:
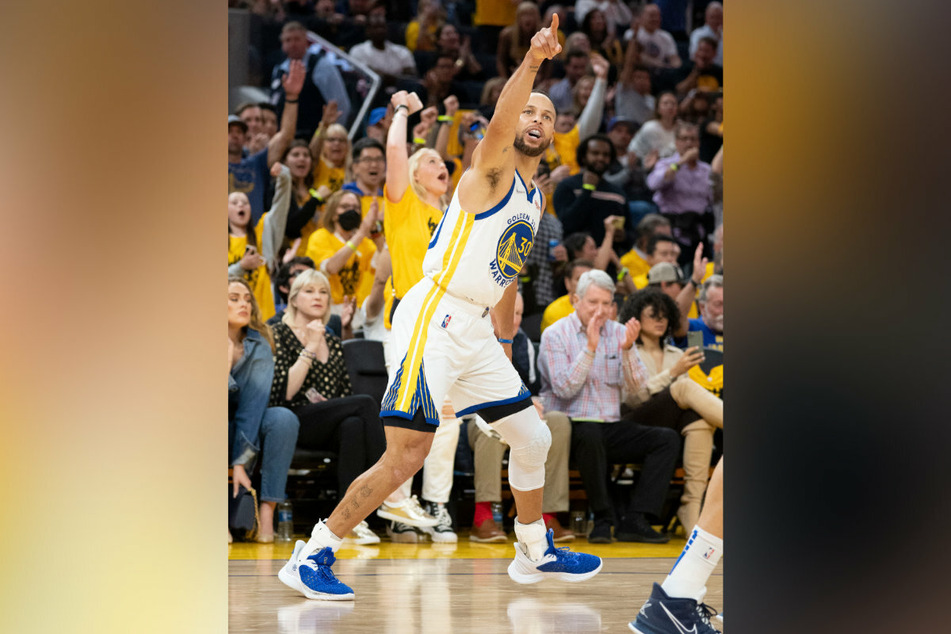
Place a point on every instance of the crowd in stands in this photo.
(327, 229)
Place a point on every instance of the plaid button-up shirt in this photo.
(583, 385)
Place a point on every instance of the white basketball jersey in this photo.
(474, 256)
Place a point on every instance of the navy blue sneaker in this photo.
(318, 579)
(557, 563)
(665, 615)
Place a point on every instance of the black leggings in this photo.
(349, 426)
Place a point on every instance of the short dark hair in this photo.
(712, 41)
(245, 106)
(366, 142)
(575, 52)
(583, 147)
(575, 242)
(264, 105)
(652, 243)
(576, 264)
(662, 304)
(283, 277)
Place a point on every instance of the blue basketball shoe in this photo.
(557, 563)
(318, 580)
(666, 615)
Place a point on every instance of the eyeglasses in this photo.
(371, 159)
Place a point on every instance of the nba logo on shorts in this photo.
(445, 321)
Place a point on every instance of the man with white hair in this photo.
(712, 27)
(587, 362)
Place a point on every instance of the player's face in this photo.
(536, 126)
(299, 162)
(239, 210)
(432, 174)
(239, 305)
(712, 309)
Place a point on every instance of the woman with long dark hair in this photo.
(671, 398)
(254, 429)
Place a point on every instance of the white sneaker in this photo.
(288, 574)
(401, 533)
(361, 534)
(556, 563)
(442, 532)
(408, 512)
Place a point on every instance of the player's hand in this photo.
(545, 43)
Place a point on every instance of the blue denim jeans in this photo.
(637, 209)
(278, 440)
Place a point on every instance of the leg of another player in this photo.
(676, 605)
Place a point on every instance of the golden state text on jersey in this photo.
(474, 256)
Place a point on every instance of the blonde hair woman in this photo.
(310, 379)
(254, 429)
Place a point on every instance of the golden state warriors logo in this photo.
(514, 246)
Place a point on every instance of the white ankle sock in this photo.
(320, 538)
(532, 537)
(688, 577)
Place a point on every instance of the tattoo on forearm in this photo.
(533, 66)
(366, 491)
(346, 513)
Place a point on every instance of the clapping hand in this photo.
(632, 330)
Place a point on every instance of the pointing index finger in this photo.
(554, 23)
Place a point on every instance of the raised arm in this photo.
(276, 219)
(590, 119)
(293, 82)
(626, 76)
(328, 118)
(397, 163)
(494, 160)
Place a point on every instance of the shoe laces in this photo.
(441, 513)
(321, 565)
(704, 611)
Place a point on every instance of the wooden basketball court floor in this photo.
(449, 589)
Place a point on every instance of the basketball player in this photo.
(445, 342)
(676, 606)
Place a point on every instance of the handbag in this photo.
(243, 510)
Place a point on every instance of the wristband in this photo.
(317, 197)
(674, 167)
(307, 354)
(589, 187)
(419, 140)
(290, 100)
(444, 119)
(351, 246)
(622, 273)
(404, 107)
(508, 341)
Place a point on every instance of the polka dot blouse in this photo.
(330, 379)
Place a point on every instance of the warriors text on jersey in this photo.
(474, 256)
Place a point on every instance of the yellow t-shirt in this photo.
(327, 174)
(494, 13)
(566, 145)
(305, 233)
(356, 277)
(408, 226)
(258, 279)
(559, 308)
(635, 264)
(412, 36)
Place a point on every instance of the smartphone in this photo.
(695, 338)
(314, 396)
